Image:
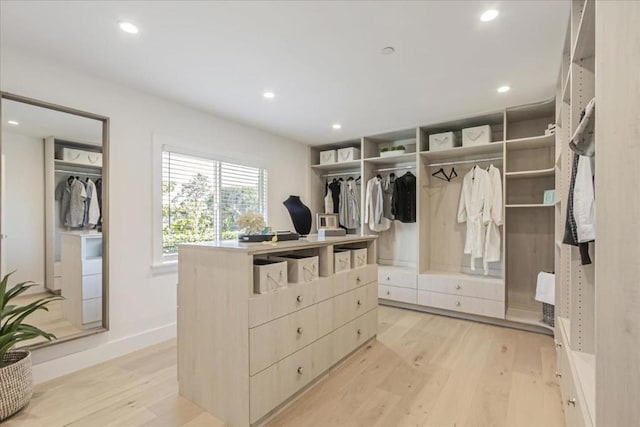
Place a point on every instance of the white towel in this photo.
(546, 289)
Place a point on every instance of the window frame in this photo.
(162, 264)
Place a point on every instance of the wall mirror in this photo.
(54, 213)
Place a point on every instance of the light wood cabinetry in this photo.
(422, 264)
(242, 355)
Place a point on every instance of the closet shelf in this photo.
(585, 44)
(528, 317)
(532, 174)
(461, 152)
(531, 205)
(533, 142)
(337, 166)
(403, 158)
(65, 163)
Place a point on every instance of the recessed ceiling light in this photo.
(128, 27)
(269, 95)
(13, 122)
(489, 15)
(388, 50)
(503, 89)
(336, 126)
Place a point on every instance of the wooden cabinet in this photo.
(241, 355)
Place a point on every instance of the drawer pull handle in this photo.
(299, 331)
(458, 287)
(388, 278)
(457, 303)
(299, 298)
(359, 332)
(359, 303)
(300, 370)
(559, 345)
(388, 293)
(558, 375)
(571, 402)
(358, 279)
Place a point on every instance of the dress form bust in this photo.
(300, 215)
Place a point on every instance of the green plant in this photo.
(12, 328)
(384, 149)
(400, 147)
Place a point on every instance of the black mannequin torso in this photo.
(300, 215)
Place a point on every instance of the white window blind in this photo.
(203, 198)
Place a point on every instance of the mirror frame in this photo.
(105, 208)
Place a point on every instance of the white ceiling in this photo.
(322, 59)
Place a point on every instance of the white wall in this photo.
(143, 306)
(23, 204)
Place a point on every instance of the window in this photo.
(203, 198)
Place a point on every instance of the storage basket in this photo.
(16, 383)
(548, 314)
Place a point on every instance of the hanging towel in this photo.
(546, 288)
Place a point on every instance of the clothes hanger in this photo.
(379, 176)
(452, 174)
(438, 174)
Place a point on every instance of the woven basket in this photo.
(16, 383)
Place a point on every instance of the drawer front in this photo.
(353, 334)
(471, 287)
(274, 385)
(463, 304)
(354, 303)
(92, 310)
(341, 261)
(395, 293)
(394, 277)
(92, 286)
(355, 278)
(266, 307)
(278, 339)
(92, 266)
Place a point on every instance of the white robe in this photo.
(373, 208)
(492, 246)
(474, 210)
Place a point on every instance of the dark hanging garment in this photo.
(571, 229)
(403, 202)
(335, 195)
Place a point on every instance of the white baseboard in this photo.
(57, 367)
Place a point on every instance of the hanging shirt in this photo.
(335, 195)
(91, 207)
(492, 246)
(98, 184)
(328, 199)
(63, 194)
(373, 207)
(584, 204)
(75, 215)
(403, 202)
(387, 195)
(474, 210)
(349, 215)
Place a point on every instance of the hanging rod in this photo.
(460, 162)
(394, 169)
(78, 173)
(342, 173)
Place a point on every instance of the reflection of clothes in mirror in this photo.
(91, 209)
(75, 214)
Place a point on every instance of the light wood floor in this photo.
(424, 370)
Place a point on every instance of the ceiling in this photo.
(323, 59)
(39, 122)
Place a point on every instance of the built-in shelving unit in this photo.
(530, 205)
(337, 166)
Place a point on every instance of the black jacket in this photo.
(403, 202)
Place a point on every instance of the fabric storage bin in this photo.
(478, 135)
(348, 154)
(342, 260)
(300, 268)
(328, 157)
(442, 141)
(268, 275)
(358, 257)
